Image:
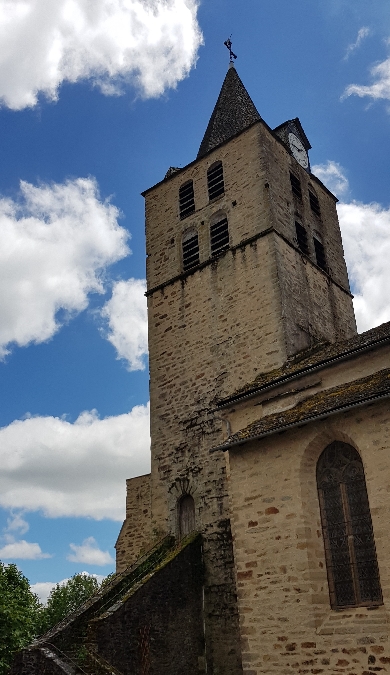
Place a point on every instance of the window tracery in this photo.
(347, 528)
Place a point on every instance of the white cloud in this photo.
(43, 588)
(16, 523)
(150, 43)
(332, 175)
(365, 229)
(366, 238)
(55, 243)
(362, 34)
(126, 315)
(89, 553)
(78, 469)
(22, 550)
(379, 89)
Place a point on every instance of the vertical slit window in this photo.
(215, 181)
(320, 254)
(351, 560)
(219, 237)
(190, 250)
(302, 238)
(296, 186)
(186, 199)
(314, 204)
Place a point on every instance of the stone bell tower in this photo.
(245, 268)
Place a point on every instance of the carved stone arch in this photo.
(217, 216)
(184, 504)
(311, 515)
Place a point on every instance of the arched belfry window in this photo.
(347, 528)
(186, 199)
(186, 515)
(215, 182)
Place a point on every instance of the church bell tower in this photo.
(245, 268)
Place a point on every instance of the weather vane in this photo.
(228, 44)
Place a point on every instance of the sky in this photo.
(97, 100)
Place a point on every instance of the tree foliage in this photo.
(19, 614)
(65, 598)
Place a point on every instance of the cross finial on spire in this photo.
(228, 44)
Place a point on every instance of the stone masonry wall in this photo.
(314, 308)
(136, 534)
(191, 363)
(286, 622)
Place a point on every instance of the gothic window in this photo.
(186, 515)
(296, 186)
(219, 236)
(314, 204)
(215, 181)
(320, 254)
(186, 199)
(302, 238)
(190, 249)
(352, 566)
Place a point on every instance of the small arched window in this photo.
(186, 199)
(347, 528)
(186, 515)
(215, 182)
(190, 249)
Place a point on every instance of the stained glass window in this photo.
(347, 528)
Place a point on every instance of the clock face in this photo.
(298, 151)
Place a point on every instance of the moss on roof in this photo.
(324, 403)
(319, 356)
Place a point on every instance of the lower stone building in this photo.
(309, 480)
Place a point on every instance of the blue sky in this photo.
(98, 100)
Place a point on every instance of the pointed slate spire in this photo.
(233, 112)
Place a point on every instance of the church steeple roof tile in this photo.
(233, 112)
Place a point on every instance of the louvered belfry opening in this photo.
(302, 238)
(186, 515)
(320, 254)
(296, 186)
(215, 181)
(186, 199)
(219, 236)
(190, 250)
(351, 560)
(314, 204)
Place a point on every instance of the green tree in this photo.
(65, 598)
(19, 614)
